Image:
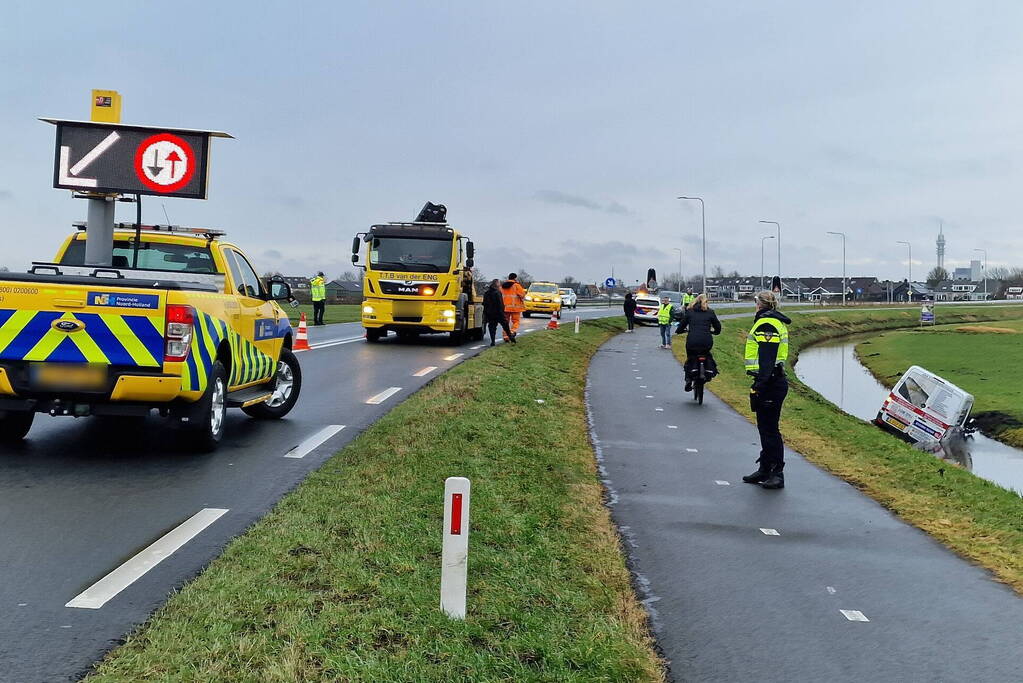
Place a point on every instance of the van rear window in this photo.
(174, 258)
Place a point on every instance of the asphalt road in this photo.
(745, 584)
(82, 496)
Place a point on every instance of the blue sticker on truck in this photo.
(124, 300)
(266, 328)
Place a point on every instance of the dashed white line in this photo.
(478, 346)
(853, 615)
(310, 444)
(659, 410)
(325, 345)
(99, 593)
(692, 450)
(831, 589)
(770, 532)
(721, 482)
(383, 396)
(672, 426)
(639, 378)
(642, 386)
(454, 356)
(425, 371)
(649, 396)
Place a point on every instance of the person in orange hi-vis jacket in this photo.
(514, 301)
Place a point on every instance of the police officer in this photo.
(318, 292)
(767, 349)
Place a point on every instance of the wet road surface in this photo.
(815, 582)
(82, 497)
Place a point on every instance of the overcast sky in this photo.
(558, 134)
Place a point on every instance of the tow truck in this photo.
(418, 279)
(178, 323)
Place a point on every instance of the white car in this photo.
(569, 298)
(647, 305)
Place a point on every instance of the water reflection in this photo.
(857, 393)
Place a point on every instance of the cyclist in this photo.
(702, 324)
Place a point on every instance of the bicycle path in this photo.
(813, 582)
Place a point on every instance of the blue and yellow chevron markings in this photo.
(248, 363)
(109, 338)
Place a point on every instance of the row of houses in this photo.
(862, 289)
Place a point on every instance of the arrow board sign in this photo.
(113, 158)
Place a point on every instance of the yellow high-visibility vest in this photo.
(779, 335)
(318, 289)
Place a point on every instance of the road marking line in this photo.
(660, 410)
(639, 378)
(672, 426)
(99, 593)
(831, 589)
(853, 615)
(425, 371)
(649, 396)
(721, 482)
(692, 450)
(642, 386)
(770, 532)
(383, 396)
(326, 345)
(454, 356)
(479, 346)
(307, 446)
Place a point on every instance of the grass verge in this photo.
(341, 580)
(332, 313)
(975, 518)
(978, 358)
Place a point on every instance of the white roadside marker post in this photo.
(577, 324)
(455, 547)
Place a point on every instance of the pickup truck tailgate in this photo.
(76, 324)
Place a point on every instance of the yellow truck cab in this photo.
(542, 297)
(418, 279)
(179, 323)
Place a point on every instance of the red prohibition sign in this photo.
(189, 162)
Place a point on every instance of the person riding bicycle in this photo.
(702, 323)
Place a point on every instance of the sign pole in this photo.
(99, 233)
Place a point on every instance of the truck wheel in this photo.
(206, 426)
(525, 314)
(374, 335)
(14, 425)
(287, 385)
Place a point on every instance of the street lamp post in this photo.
(762, 239)
(703, 223)
(845, 287)
(984, 251)
(777, 225)
(679, 268)
(909, 289)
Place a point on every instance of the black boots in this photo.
(769, 477)
(760, 475)
(689, 387)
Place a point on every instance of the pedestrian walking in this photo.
(630, 311)
(514, 302)
(767, 349)
(700, 323)
(664, 315)
(493, 312)
(318, 292)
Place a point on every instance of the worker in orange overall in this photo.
(514, 302)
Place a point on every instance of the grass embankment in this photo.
(333, 313)
(341, 580)
(982, 359)
(976, 518)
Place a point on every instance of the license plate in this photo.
(896, 423)
(68, 376)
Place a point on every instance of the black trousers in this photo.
(318, 308)
(769, 402)
(492, 328)
(631, 319)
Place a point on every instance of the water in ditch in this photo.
(833, 370)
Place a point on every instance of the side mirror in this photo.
(470, 250)
(355, 246)
(280, 291)
(469, 262)
(355, 259)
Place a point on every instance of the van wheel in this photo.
(206, 425)
(14, 425)
(286, 386)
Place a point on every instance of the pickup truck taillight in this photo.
(180, 322)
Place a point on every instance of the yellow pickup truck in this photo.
(543, 297)
(179, 323)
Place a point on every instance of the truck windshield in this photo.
(410, 254)
(178, 258)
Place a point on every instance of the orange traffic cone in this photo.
(553, 324)
(301, 336)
